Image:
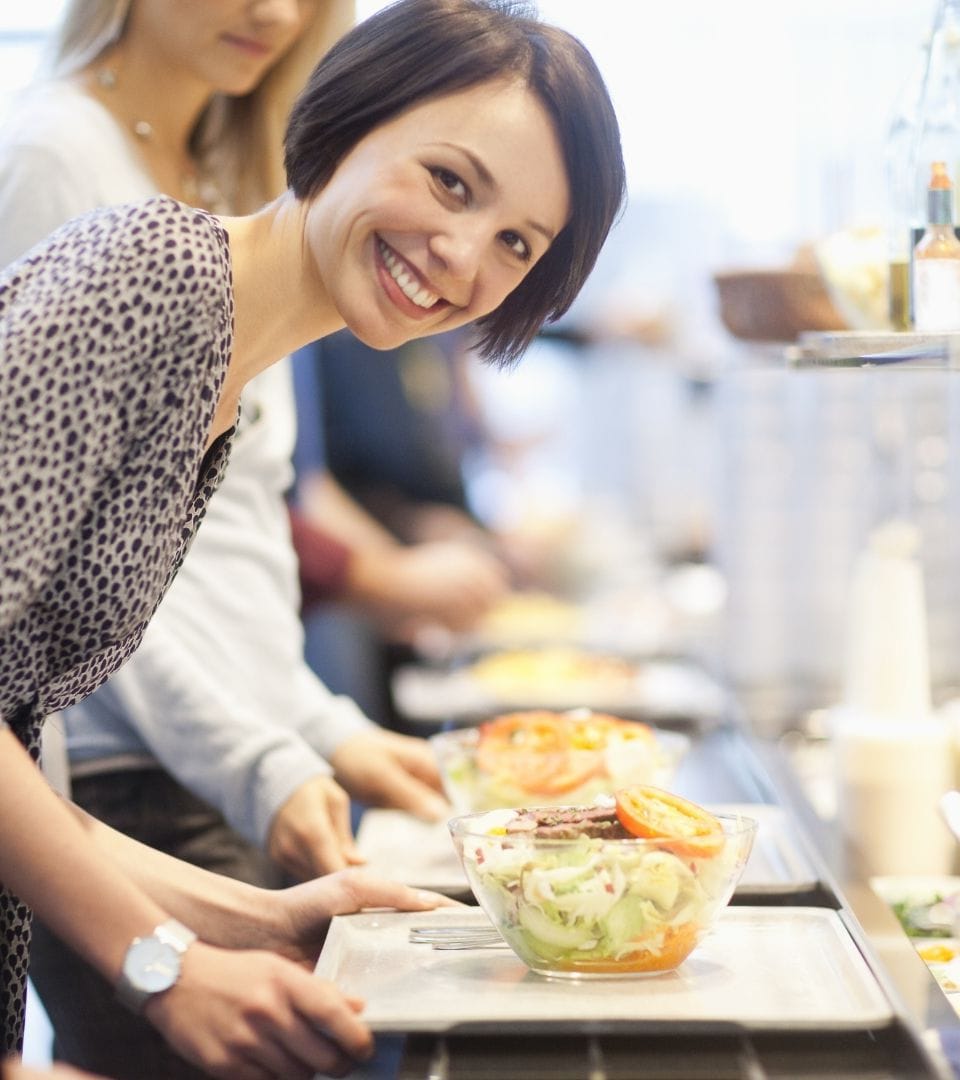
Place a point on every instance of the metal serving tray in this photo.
(760, 969)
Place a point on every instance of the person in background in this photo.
(408, 213)
(392, 430)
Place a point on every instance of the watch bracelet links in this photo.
(170, 932)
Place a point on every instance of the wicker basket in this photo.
(775, 305)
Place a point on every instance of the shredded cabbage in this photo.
(592, 899)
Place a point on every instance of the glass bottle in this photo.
(936, 260)
(936, 135)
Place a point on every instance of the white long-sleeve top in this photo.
(218, 693)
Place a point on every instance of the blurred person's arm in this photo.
(326, 503)
(241, 721)
(450, 582)
(204, 730)
(37, 185)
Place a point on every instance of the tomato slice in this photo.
(532, 750)
(686, 828)
(519, 734)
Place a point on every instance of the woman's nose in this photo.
(277, 12)
(460, 251)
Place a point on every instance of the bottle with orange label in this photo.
(936, 260)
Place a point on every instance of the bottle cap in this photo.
(939, 177)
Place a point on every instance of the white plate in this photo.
(780, 968)
(402, 848)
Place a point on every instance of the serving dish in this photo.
(782, 968)
(625, 888)
(546, 757)
(775, 304)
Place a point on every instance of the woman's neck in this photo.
(280, 303)
(159, 124)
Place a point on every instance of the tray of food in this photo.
(781, 968)
(558, 677)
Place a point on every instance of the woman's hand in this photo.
(446, 582)
(308, 908)
(310, 833)
(385, 768)
(247, 1015)
(244, 1014)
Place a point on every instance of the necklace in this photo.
(196, 189)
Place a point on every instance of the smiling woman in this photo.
(478, 187)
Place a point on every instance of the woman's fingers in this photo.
(241, 1015)
(328, 1015)
(359, 889)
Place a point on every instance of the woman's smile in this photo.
(415, 297)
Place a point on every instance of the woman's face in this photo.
(228, 45)
(435, 216)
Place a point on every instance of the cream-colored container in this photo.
(893, 757)
(890, 776)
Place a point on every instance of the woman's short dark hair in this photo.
(418, 49)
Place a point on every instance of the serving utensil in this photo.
(456, 937)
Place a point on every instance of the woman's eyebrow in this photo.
(488, 181)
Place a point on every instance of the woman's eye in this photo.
(450, 182)
(516, 243)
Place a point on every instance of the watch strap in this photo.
(172, 932)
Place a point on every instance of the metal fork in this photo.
(456, 937)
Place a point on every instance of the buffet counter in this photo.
(727, 766)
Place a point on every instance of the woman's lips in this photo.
(248, 45)
(414, 295)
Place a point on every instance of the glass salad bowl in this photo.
(545, 758)
(577, 895)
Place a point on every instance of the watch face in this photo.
(151, 965)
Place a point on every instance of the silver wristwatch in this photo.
(152, 964)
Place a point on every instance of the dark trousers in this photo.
(91, 1029)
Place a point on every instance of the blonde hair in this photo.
(237, 140)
